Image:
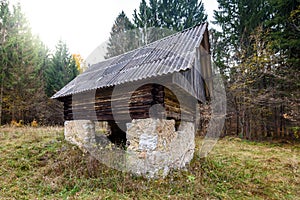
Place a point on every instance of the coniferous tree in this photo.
(238, 19)
(284, 28)
(62, 69)
(5, 28)
(170, 12)
(175, 15)
(121, 38)
(193, 13)
(21, 63)
(26, 71)
(180, 14)
(152, 22)
(153, 5)
(257, 63)
(143, 18)
(165, 17)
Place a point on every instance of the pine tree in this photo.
(257, 51)
(122, 39)
(5, 16)
(165, 17)
(143, 17)
(21, 64)
(193, 13)
(181, 14)
(62, 69)
(284, 28)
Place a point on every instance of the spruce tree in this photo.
(122, 39)
(170, 12)
(153, 5)
(144, 16)
(284, 28)
(174, 15)
(5, 22)
(62, 69)
(257, 52)
(164, 17)
(238, 19)
(20, 63)
(192, 13)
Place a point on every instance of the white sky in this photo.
(84, 25)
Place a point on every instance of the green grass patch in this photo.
(36, 163)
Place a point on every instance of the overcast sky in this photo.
(84, 25)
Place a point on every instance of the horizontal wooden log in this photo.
(105, 117)
(132, 115)
(139, 98)
(109, 106)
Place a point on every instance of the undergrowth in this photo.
(36, 163)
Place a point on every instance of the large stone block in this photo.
(80, 133)
(155, 147)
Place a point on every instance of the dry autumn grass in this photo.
(36, 163)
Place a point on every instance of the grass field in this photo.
(36, 163)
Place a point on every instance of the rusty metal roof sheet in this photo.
(169, 55)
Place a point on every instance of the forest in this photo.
(255, 48)
(30, 73)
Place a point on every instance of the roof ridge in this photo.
(162, 39)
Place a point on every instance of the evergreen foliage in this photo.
(257, 52)
(284, 26)
(62, 69)
(121, 39)
(175, 15)
(27, 71)
(152, 22)
(20, 65)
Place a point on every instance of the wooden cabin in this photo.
(183, 54)
(173, 73)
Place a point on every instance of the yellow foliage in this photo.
(34, 123)
(80, 64)
(17, 124)
(13, 123)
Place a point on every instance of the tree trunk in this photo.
(1, 96)
(237, 117)
(2, 78)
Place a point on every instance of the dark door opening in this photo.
(117, 135)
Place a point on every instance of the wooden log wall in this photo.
(97, 105)
(184, 110)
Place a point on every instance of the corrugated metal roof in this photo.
(169, 55)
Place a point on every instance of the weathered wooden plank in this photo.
(137, 106)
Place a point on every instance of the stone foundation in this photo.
(80, 133)
(153, 145)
